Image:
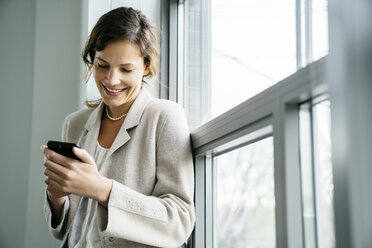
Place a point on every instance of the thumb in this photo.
(83, 155)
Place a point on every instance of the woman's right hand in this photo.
(56, 199)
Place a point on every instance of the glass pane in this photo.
(195, 91)
(320, 28)
(244, 197)
(323, 175)
(307, 175)
(317, 176)
(253, 47)
(233, 50)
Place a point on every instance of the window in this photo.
(319, 16)
(253, 46)
(316, 175)
(244, 201)
(245, 70)
(232, 51)
(323, 174)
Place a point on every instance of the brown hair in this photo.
(123, 24)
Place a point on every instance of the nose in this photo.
(113, 77)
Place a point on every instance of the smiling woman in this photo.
(140, 52)
(118, 71)
(136, 170)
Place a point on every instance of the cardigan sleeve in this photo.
(166, 218)
(59, 231)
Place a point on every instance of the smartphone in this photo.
(63, 148)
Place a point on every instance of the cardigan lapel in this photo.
(93, 124)
(131, 121)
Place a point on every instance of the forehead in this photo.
(119, 52)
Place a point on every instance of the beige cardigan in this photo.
(151, 165)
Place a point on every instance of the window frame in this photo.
(311, 168)
(277, 106)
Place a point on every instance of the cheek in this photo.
(133, 80)
(98, 75)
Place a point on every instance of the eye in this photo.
(125, 70)
(102, 66)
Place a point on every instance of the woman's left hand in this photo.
(74, 177)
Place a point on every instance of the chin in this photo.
(114, 103)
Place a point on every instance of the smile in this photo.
(112, 90)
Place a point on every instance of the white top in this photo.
(84, 230)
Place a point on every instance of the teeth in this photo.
(113, 91)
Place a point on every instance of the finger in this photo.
(83, 155)
(51, 174)
(54, 185)
(55, 193)
(56, 168)
(52, 193)
(58, 158)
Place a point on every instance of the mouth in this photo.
(113, 92)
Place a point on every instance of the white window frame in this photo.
(276, 107)
(348, 68)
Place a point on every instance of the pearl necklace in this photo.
(112, 118)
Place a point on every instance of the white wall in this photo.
(350, 80)
(56, 91)
(40, 84)
(16, 87)
(41, 80)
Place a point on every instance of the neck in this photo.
(116, 111)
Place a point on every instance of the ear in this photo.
(146, 72)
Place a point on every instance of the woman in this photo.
(134, 185)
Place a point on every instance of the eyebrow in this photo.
(126, 64)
